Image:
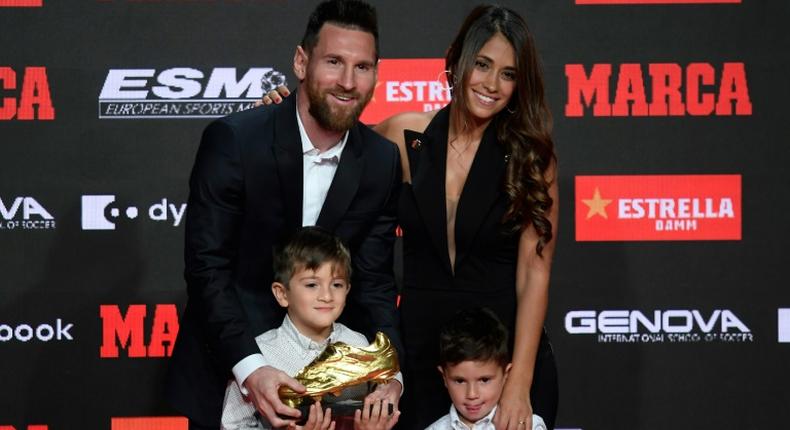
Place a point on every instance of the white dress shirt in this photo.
(318, 171)
(286, 349)
(452, 421)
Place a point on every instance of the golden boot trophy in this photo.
(341, 366)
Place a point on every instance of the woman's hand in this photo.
(515, 408)
(274, 96)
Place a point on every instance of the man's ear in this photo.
(300, 63)
(278, 290)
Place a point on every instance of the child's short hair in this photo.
(474, 334)
(309, 248)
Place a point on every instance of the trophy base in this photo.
(342, 411)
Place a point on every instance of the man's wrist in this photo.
(244, 368)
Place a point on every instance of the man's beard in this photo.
(338, 119)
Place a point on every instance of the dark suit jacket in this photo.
(245, 198)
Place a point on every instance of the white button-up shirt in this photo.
(452, 421)
(318, 172)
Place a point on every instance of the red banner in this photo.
(659, 207)
(413, 84)
(21, 3)
(150, 423)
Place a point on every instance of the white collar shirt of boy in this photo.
(286, 349)
(318, 171)
(452, 421)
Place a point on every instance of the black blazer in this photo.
(246, 198)
(485, 265)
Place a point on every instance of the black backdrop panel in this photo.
(101, 108)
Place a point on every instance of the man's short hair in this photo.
(308, 249)
(349, 14)
(474, 334)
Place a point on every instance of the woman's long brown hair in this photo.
(524, 128)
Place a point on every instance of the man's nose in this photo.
(346, 80)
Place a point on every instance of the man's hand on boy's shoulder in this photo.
(262, 390)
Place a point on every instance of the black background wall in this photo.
(688, 328)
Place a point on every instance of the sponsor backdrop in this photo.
(667, 305)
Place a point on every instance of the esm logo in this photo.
(184, 92)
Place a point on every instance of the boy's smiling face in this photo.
(314, 298)
(474, 387)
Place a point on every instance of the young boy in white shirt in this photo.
(312, 275)
(474, 363)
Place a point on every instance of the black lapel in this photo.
(482, 188)
(288, 156)
(345, 182)
(427, 158)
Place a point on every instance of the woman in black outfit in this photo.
(479, 214)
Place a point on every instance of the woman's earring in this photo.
(512, 111)
(446, 73)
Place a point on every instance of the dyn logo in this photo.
(99, 213)
(34, 216)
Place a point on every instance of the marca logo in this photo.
(128, 331)
(417, 84)
(32, 101)
(24, 213)
(149, 423)
(21, 3)
(98, 212)
(675, 325)
(672, 91)
(184, 92)
(594, 2)
(783, 327)
(59, 331)
(663, 207)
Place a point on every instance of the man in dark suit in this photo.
(258, 176)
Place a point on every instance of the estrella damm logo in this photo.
(658, 207)
(407, 84)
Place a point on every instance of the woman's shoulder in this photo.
(392, 127)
